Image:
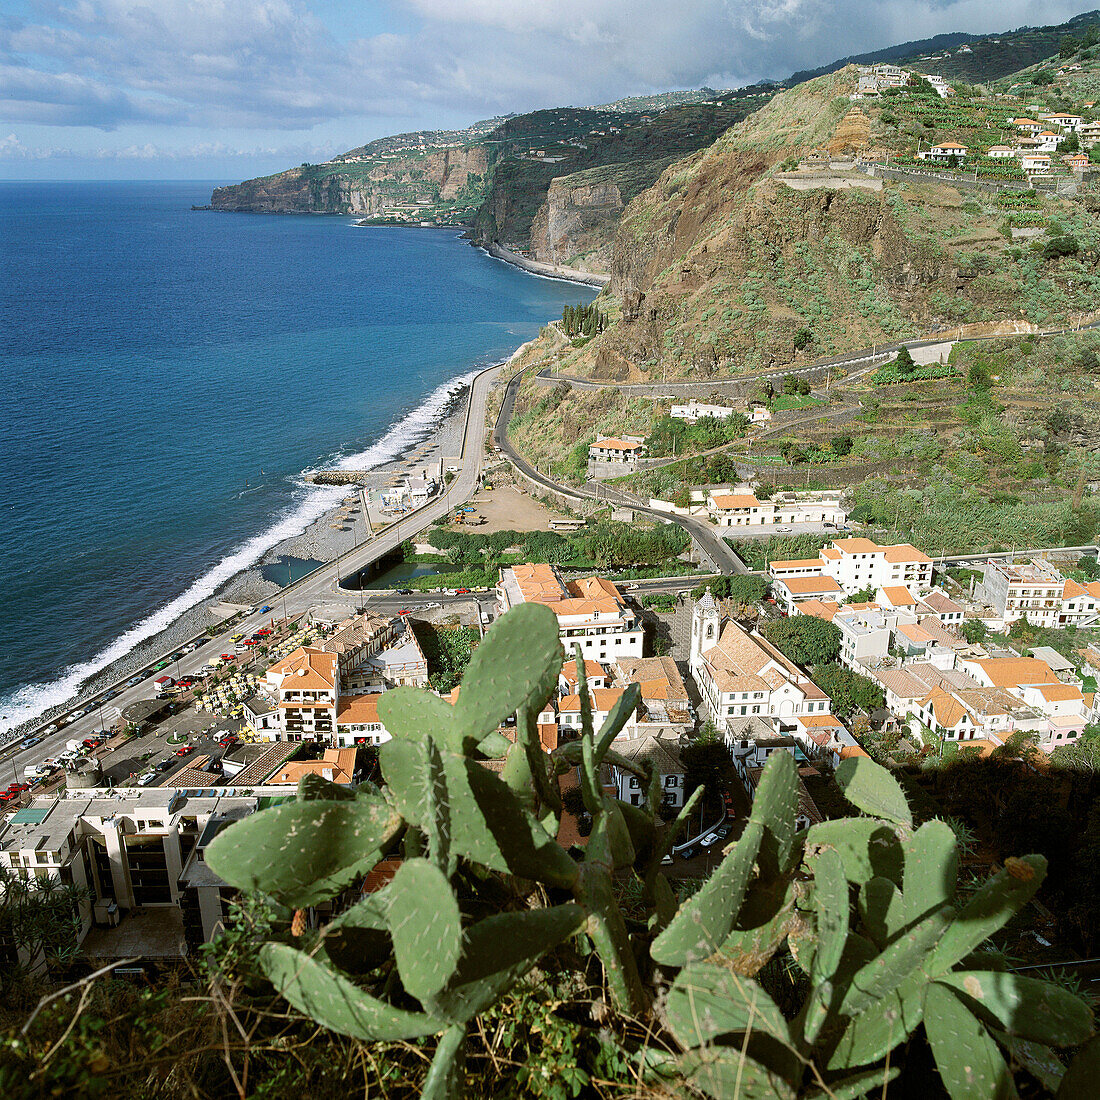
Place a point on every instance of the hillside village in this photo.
(814, 485)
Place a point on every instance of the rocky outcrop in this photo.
(576, 225)
(371, 188)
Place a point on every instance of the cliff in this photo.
(441, 184)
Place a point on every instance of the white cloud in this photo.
(227, 66)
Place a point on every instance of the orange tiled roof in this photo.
(357, 710)
(1056, 693)
(799, 585)
(1016, 671)
(904, 552)
(899, 595)
(735, 500)
(856, 546)
(811, 721)
(798, 563)
(603, 699)
(310, 668)
(1071, 589)
(617, 445)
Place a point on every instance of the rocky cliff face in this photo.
(371, 188)
(576, 225)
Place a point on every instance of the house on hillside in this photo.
(944, 152)
(621, 452)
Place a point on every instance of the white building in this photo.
(1037, 590)
(741, 675)
(945, 151)
(621, 451)
(859, 563)
(740, 508)
(591, 612)
(695, 410)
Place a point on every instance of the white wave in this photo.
(32, 700)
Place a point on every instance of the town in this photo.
(862, 650)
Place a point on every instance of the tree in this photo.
(803, 338)
(974, 631)
(1042, 77)
(1070, 143)
(904, 362)
(841, 445)
(848, 690)
(1068, 46)
(1089, 566)
(864, 595)
(804, 639)
(706, 764)
(1064, 245)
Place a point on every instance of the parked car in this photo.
(404, 611)
(135, 680)
(164, 765)
(110, 694)
(403, 591)
(686, 853)
(265, 632)
(709, 839)
(229, 656)
(77, 714)
(29, 741)
(185, 750)
(462, 591)
(7, 796)
(17, 787)
(228, 739)
(724, 831)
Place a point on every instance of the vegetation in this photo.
(806, 640)
(743, 590)
(448, 650)
(848, 690)
(459, 926)
(669, 436)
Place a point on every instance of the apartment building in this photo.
(741, 675)
(132, 851)
(1037, 590)
(591, 612)
(306, 688)
(859, 563)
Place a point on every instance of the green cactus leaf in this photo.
(497, 951)
(831, 906)
(446, 1078)
(871, 1082)
(775, 806)
(706, 920)
(313, 787)
(494, 745)
(871, 788)
(518, 776)
(641, 829)
(802, 940)
(516, 663)
(358, 940)
(881, 910)
(664, 903)
(722, 1072)
(887, 970)
(302, 853)
(486, 822)
(970, 1064)
(931, 870)
(1032, 1009)
(618, 834)
(990, 907)
(426, 927)
(867, 848)
(336, 1003)
(1040, 1061)
(707, 1001)
(746, 949)
(617, 717)
(1079, 1082)
(412, 714)
(871, 1035)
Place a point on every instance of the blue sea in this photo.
(169, 374)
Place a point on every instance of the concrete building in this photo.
(306, 688)
(945, 151)
(661, 750)
(357, 721)
(134, 851)
(591, 612)
(1034, 589)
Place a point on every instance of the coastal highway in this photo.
(717, 553)
(318, 587)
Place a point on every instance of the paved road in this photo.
(316, 588)
(719, 556)
(872, 356)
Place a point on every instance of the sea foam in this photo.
(32, 700)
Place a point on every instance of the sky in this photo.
(230, 89)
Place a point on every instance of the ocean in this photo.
(169, 374)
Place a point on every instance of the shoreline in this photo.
(318, 541)
(439, 436)
(543, 270)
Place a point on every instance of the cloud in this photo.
(236, 65)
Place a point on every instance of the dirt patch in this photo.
(511, 509)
